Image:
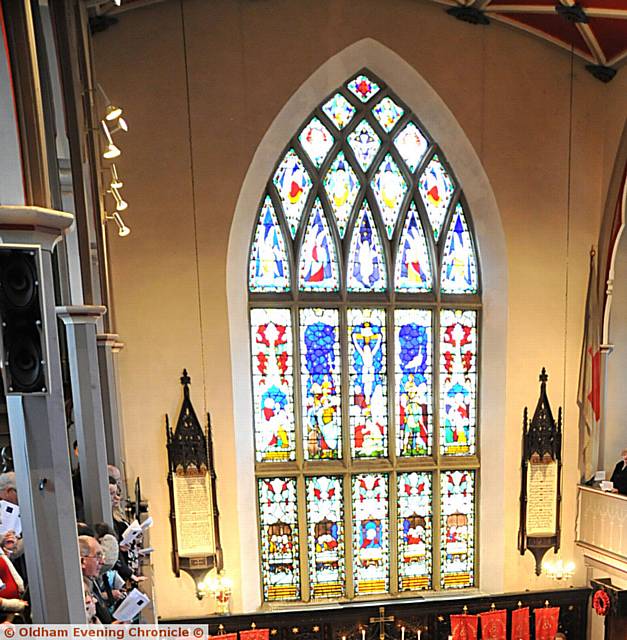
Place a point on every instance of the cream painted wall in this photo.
(509, 92)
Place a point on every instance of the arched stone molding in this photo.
(407, 83)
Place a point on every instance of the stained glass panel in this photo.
(367, 394)
(458, 381)
(387, 113)
(318, 270)
(278, 515)
(415, 550)
(269, 265)
(316, 140)
(365, 143)
(414, 381)
(363, 87)
(459, 264)
(413, 267)
(366, 268)
(436, 190)
(371, 544)
(293, 184)
(325, 533)
(320, 383)
(457, 529)
(339, 110)
(273, 383)
(412, 145)
(342, 186)
(389, 188)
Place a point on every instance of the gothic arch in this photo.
(490, 239)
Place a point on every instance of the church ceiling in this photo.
(596, 30)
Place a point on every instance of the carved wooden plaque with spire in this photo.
(192, 484)
(540, 495)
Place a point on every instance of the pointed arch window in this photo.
(365, 305)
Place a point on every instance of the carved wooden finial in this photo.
(185, 379)
(543, 376)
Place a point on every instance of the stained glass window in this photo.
(342, 186)
(371, 539)
(366, 269)
(414, 530)
(389, 188)
(365, 143)
(413, 266)
(457, 529)
(363, 359)
(273, 384)
(269, 267)
(414, 381)
(318, 270)
(436, 190)
(278, 517)
(320, 383)
(459, 265)
(325, 533)
(458, 381)
(293, 184)
(367, 382)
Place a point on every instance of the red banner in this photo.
(464, 627)
(255, 634)
(224, 636)
(520, 624)
(547, 621)
(494, 625)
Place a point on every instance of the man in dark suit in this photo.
(619, 477)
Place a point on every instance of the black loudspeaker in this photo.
(23, 336)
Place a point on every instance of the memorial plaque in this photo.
(541, 499)
(193, 505)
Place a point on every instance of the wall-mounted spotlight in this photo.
(123, 230)
(115, 180)
(111, 150)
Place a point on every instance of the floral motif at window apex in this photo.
(364, 296)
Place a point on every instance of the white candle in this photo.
(419, 633)
(363, 634)
(402, 633)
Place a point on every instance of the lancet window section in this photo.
(365, 309)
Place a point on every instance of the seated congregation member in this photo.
(111, 582)
(11, 543)
(13, 587)
(92, 558)
(619, 476)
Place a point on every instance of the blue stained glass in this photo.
(366, 269)
(387, 113)
(459, 265)
(413, 267)
(339, 110)
(363, 87)
(316, 140)
(293, 184)
(269, 266)
(368, 415)
(318, 270)
(389, 188)
(365, 143)
(414, 381)
(342, 186)
(436, 190)
(320, 383)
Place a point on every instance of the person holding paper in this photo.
(619, 475)
(92, 558)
